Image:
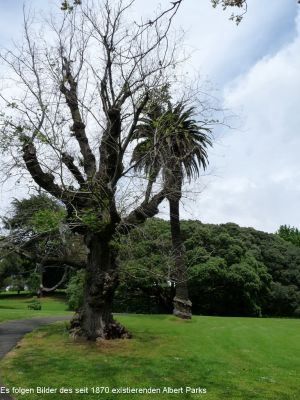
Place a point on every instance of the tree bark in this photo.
(94, 320)
(182, 304)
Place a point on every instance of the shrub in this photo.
(74, 290)
(34, 304)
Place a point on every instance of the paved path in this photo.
(11, 333)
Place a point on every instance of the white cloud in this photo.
(224, 50)
(260, 183)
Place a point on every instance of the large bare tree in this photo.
(80, 83)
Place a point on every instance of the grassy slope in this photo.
(15, 307)
(234, 358)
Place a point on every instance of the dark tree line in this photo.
(232, 271)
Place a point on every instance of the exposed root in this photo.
(112, 330)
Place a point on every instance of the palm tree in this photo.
(171, 141)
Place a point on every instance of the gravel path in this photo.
(11, 333)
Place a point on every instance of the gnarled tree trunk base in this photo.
(104, 331)
(94, 320)
(182, 308)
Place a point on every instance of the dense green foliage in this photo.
(75, 290)
(291, 234)
(34, 214)
(14, 271)
(232, 270)
(33, 235)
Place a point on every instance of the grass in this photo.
(233, 358)
(16, 307)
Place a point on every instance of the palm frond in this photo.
(173, 136)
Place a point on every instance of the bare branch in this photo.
(43, 179)
(78, 126)
(141, 213)
(68, 160)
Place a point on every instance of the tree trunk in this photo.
(181, 302)
(94, 320)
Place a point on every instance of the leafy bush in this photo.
(35, 304)
(74, 290)
(47, 220)
(34, 282)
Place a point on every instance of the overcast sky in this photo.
(254, 175)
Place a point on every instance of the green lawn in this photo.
(16, 307)
(232, 358)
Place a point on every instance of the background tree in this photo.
(175, 143)
(14, 271)
(290, 234)
(37, 235)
